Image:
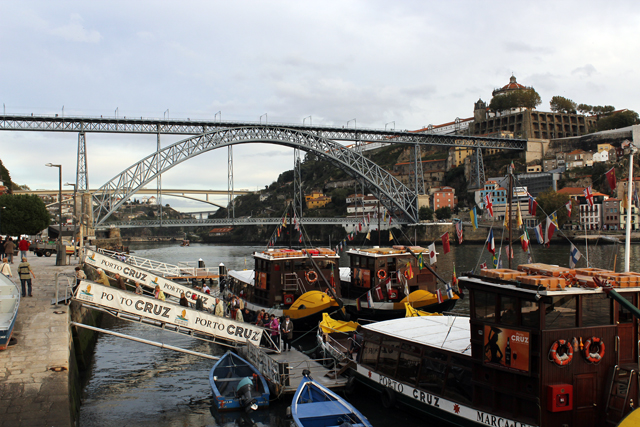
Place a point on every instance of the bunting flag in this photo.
(519, 218)
(548, 233)
(539, 236)
(459, 231)
(568, 205)
(369, 299)
(483, 266)
(454, 278)
(332, 280)
(390, 236)
(368, 217)
(491, 246)
(488, 205)
(507, 218)
(379, 294)
(284, 220)
(389, 219)
(359, 226)
(533, 205)
(300, 239)
(554, 218)
(474, 218)
(529, 258)
(449, 290)
(439, 295)
(420, 261)
(524, 241)
(446, 248)
(368, 237)
(574, 256)
(495, 261)
(406, 286)
(408, 272)
(588, 195)
(509, 251)
(432, 253)
(611, 178)
(278, 231)
(358, 306)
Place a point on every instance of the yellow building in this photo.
(316, 200)
(457, 156)
(604, 147)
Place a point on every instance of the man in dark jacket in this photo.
(287, 332)
(9, 247)
(120, 282)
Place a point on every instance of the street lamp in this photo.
(60, 252)
(75, 219)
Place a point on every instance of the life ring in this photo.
(593, 357)
(311, 276)
(566, 358)
(382, 274)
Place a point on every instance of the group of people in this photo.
(8, 248)
(24, 273)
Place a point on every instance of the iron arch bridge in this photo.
(395, 196)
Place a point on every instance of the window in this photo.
(561, 313)
(530, 311)
(432, 375)
(408, 367)
(624, 315)
(508, 310)
(459, 384)
(369, 354)
(485, 303)
(595, 311)
(388, 360)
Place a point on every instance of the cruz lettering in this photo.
(426, 398)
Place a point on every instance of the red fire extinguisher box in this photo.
(559, 397)
(288, 299)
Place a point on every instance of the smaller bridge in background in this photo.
(228, 222)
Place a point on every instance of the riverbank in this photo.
(37, 374)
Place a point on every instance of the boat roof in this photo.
(450, 333)
(245, 276)
(275, 253)
(386, 252)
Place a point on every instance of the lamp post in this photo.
(60, 251)
(75, 219)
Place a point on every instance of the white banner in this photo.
(166, 312)
(145, 278)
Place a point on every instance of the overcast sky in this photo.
(412, 62)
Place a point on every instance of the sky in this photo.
(413, 63)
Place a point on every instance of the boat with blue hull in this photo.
(237, 385)
(9, 304)
(316, 406)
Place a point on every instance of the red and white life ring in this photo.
(311, 276)
(566, 358)
(597, 356)
(382, 274)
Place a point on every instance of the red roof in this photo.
(513, 84)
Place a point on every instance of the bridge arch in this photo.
(395, 196)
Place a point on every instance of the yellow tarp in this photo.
(329, 325)
(412, 312)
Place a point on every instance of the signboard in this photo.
(166, 312)
(145, 278)
(361, 277)
(507, 348)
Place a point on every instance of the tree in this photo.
(443, 213)
(527, 98)
(585, 108)
(425, 213)
(618, 120)
(549, 202)
(22, 215)
(563, 105)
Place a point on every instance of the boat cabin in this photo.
(371, 268)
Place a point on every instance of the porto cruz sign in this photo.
(145, 278)
(507, 348)
(166, 312)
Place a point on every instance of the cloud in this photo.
(522, 47)
(74, 31)
(585, 71)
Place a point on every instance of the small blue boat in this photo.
(316, 406)
(237, 385)
(9, 303)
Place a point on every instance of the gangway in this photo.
(183, 271)
(171, 317)
(148, 279)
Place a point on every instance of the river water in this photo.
(134, 384)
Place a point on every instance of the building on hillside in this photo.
(635, 222)
(220, 231)
(601, 157)
(539, 182)
(534, 168)
(621, 188)
(457, 155)
(444, 197)
(554, 162)
(579, 159)
(316, 200)
(611, 214)
(433, 172)
(590, 217)
(527, 123)
(264, 196)
(359, 206)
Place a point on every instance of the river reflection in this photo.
(133, 384)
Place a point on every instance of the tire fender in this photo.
(388, 398)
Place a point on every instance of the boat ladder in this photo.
(619, 401)
(293, 283)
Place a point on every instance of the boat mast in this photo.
(510, 251)
(627, 241)
(379, 229)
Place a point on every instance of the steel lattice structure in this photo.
(193, 222)
(398, 199)
(197, 127)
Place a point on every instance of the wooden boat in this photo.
(184, 243)
(412, 312)
(9, 304)
(316, 406)
(335, 338)
(290, 282)
(373, 289)
(237, 385)
(542, 347)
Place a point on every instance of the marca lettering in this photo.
(134, 274)
(492, 420)
(388, 382)
(426, 398)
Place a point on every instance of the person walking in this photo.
(102, 277)
(2, 248)
(6, 268)
(183, 300)
(79, 273)
(25, 272)
(274, 326)
(287, 333)
(9, 248)
(219, 310)
(23, 247)
(138, 288)
(120, 282)
(158, 294)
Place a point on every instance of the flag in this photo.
(406, 288)
(495, 261)
(359, 226)
(574, 256)
(491, 246)
(454, 278)
(368, 217)
(554, 218)
(524, 241)
(432, 253)
(532, 205)
(390, 236)
(568, 206)
(439, 295)
(488, 205)
(483, 266)
(519, 219)
(538, 231)
(636, 201)
(588, 195)
(459, 231)
(368, 235)
(378, 291)
(358, 306)
(507, 217)
(474, 218)
(408, 272)
(332, 280)
(300, 239)
(389, 219)
(369, 299)
(278, 230)
(420, 261)
(611, 178)
(449, 291)
(446, 248)
(509, 251)
(551, 228)
(529, 258)
(388, 284)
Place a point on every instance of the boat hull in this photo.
(393, 313)
(9, 304)
(5, 335)
(224, 378)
